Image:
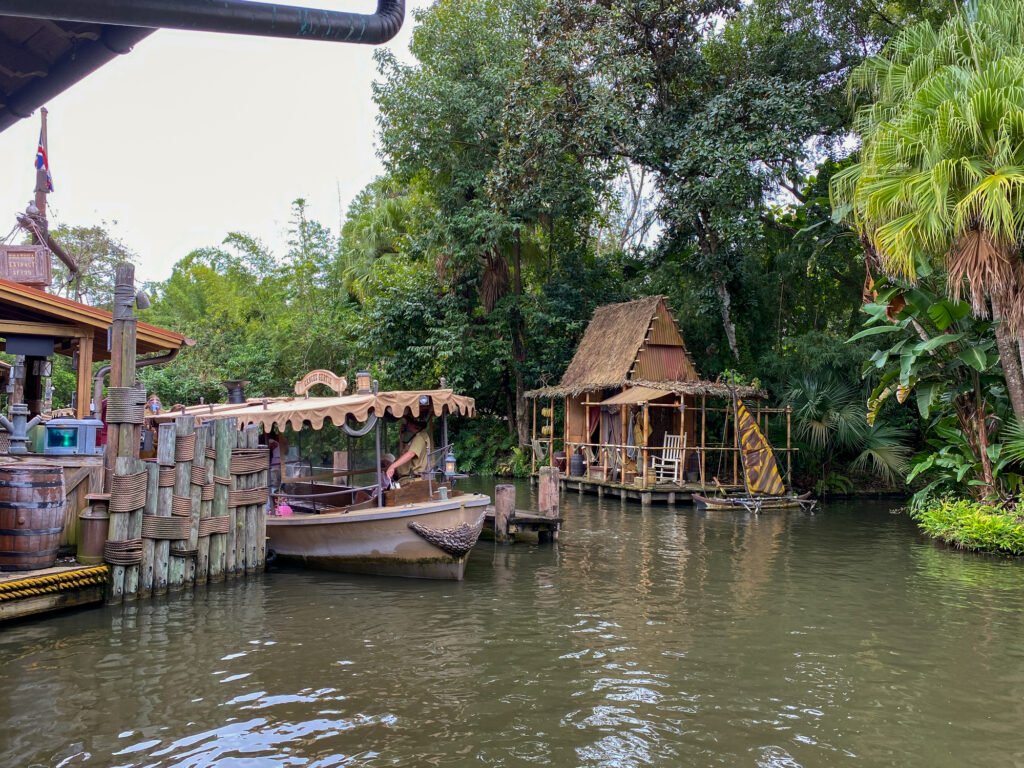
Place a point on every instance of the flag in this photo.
(43, 163)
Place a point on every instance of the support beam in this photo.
(83, 388)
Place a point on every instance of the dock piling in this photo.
(504, 510)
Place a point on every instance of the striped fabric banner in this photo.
(758, 460)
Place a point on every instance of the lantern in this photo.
(363, 384)
(449, 464)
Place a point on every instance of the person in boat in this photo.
(386, 460)
(413, 462)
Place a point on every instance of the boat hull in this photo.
(748, 504)
(417, 541)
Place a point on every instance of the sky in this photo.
(193, 135)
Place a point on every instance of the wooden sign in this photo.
(26, 264)
(335, 383)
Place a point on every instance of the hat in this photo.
(388, 458)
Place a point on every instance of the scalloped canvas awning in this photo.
(298, 411)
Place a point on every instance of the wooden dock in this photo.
(668, 493)
(23, 593)
(526, 525)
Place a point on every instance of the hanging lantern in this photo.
(449, 464)
(363, 384)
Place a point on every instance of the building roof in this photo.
(19, 303)
(623, 341)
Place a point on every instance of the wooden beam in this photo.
(83, 390)
(59, 330)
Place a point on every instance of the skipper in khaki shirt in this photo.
(414, 461)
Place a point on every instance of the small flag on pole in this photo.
(43, 162)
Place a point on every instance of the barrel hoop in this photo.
(19, 484)
(31, 504)
(126, 405)
(181, 506)
(241, 497)
(52, 552)
(212, 525)
(127, 552)
(246, 461)
(128, 492)
(29, 531)
(185, 447)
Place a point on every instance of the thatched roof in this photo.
(693, 388)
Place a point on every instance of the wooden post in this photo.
(565, 432)
(221, 544)
(42, 183)
(122, 439)
(184, 426)
(195, 493)
(789, 446)
(603, 449)
(623, 440)
(262, 481)
(533, 453)
(236, 539)
(165, 500)
(149, 545)
(736, 448)
(252, 440)
(703, 438)
(83, 388)
(547, 493)
(647, 429)
(121, 527)
(504, 511)
(205, 510)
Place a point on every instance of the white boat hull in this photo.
(384, 541)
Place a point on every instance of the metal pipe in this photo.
(380, 487)
(88, 57)
(142, 362)
(240, 17)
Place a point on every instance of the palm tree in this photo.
(940, 180)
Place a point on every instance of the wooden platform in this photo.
(527, 525)
(24, 593)
(658, 494)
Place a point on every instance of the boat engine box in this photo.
(72, 437)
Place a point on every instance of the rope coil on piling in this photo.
(127, 552)
(208, 491)
(211, 525)
(247, 461)
(127, 492)
(126, 405)
(173, 528)
(185, 448)
(181, 506)
(211, 453)
(200, 475)
(241, 497)
(187, 553)
(166, 477)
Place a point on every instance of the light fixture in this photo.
(142, 300)
(424, 401)
(449, 464)
(444, 383)
(363, 384)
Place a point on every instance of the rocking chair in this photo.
(668, 465)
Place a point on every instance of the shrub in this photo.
(972, 525)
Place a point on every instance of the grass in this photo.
(972, 525)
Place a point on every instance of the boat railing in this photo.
(315, 498)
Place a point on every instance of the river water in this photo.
(644, 637)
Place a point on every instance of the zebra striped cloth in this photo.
(758, 459)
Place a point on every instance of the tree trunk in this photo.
(519, 343)
(1010, 358)
(730, 328)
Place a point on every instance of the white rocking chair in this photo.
(668, 464)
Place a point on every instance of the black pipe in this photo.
(240, 17)
(87, 57)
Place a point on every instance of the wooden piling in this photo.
(121, 528)
(252, 440)
(504, 510)
(547, 493)
(149, 545)
(165, 500)
(263, 481)
(196, 495)
(205, 508)
(185, 427)
(222, 544)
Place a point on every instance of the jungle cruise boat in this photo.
(419, 527)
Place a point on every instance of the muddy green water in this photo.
(658, 637)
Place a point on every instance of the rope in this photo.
(157, 527)
(199, 474)
(181, 506)
(211, 453)
(128, 492)
(128, 552)
(126, 405)
(221, 480)
(166, 477)
(246, 461)
(208, 492)
(242, 497)
(211, 525)
(52, 578)
(185, 448)
(188, 553)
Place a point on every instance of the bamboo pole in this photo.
(703, 439)
(647, 428)
(221, 543)
(165, 497)
(565, 433)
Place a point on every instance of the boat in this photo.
(423, 528)
(765, 490)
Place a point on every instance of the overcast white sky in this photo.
(193, 135)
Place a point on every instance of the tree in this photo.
(940, 179)
(97, 253)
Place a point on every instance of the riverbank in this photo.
(971, 525)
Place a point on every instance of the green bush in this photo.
(972, 525)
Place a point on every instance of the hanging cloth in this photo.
(759, 465)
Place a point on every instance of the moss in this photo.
(972, 525)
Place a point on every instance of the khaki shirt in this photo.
(420, 446)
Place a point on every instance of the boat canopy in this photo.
(297, 411)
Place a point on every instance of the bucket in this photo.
(92, 535)
(559, 458)
(31, 516)
(576, 465)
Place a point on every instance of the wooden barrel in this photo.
(31, 515)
